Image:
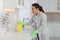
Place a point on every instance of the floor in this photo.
(54, 38)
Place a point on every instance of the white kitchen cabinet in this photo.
(9, 3)
(1, 4)
(48, 5)
(13, 3)
(54, 29)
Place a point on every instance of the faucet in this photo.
(24, 20)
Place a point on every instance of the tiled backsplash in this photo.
(8, 21)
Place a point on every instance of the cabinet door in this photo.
(9, 3)
(1, 4)
(52, 5)
(48, 5)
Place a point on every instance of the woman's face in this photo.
(34, 10)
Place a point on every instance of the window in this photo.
(20, 3)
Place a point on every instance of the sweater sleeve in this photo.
(43, 22)
(30, 21)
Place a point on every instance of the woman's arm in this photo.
(30, 21)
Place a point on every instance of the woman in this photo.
(39, 20)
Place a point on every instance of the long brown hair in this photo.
(36, 5)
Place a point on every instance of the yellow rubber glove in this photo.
(19, 26)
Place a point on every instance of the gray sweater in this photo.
(39, 21)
